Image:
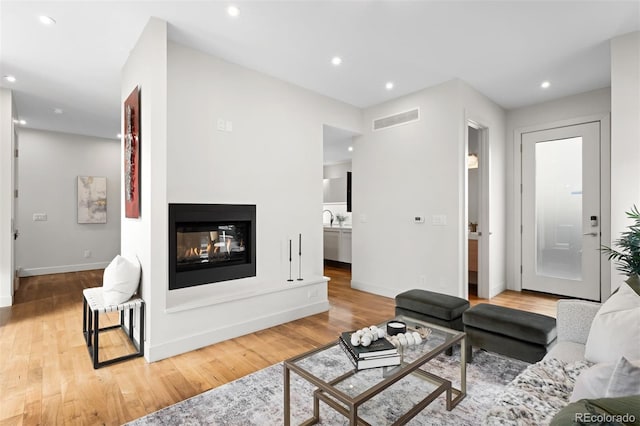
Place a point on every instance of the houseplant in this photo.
(340, 218)
(627, 256)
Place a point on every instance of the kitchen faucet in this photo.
(331, 213)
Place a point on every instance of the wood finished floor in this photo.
(46, 376)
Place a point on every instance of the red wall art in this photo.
(132, 154)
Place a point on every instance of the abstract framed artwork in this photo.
(92, 199)
(132, 154)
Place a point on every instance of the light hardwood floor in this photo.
(46, 376)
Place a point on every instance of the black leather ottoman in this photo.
(517, 334)
(435, 308)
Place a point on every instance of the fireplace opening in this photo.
(210, 243)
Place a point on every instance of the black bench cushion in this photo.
(433, 304)
(526, 326)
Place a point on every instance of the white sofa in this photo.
(606, 334)
(573, 322)
(544, 388)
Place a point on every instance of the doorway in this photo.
(561, 210)
(477, 211)
(337, 217)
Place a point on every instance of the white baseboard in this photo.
(381, 291)
(30, 272)
(494, 291)
(229, 331)
(6, 301)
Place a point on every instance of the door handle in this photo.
(593, 234)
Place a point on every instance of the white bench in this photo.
(93, 305)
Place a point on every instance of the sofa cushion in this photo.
(622, 409)
(615, 331)
(566, 351)
(625, 379)
(434, 304)
(592, 382)
(526, 326)
(536, 394)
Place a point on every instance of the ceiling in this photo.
(504, 49)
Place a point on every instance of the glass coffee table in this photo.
(345, 389)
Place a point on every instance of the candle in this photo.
(300, 244)
(289, 250)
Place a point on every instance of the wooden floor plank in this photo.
(46, 374)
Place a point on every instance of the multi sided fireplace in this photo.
(210, 243)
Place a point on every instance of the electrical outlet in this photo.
(87, 254)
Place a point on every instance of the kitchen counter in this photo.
(343, 227)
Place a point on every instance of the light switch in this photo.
(221, 124)
(439, 220)
(229, 126)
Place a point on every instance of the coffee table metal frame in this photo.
(348, 405)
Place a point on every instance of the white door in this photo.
(561, 211)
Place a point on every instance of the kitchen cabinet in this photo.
(337, 244)
(331, 244)
(473, 255)
(344, 249)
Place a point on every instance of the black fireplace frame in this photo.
(210, 213)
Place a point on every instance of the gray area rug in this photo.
(257, 399)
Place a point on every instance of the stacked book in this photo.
(380, 353)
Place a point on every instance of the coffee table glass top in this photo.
(330, 363)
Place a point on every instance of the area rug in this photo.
(257, 399)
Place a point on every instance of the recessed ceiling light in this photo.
(233, 11)
(58, 110)
(336, 60)
(9, 78)
(389, 85)
(350, 149)
(47, 20)
(545, 84)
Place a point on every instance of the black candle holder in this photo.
(300, 257)
(290, 279)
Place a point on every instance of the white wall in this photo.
(50, 163)
(481, 110)
(596, 102)
(625, 134)
(145, 238)
(336, 170)
(417, 169)
(474, 178)
(7, 146)
(403, 172)
(272, 158)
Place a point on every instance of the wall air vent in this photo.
(398, 119)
